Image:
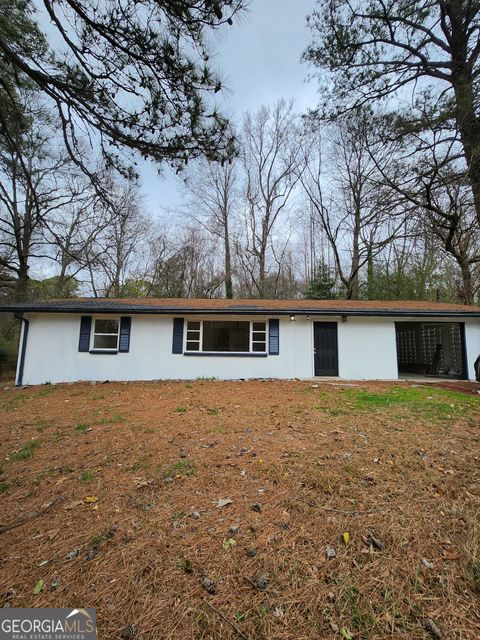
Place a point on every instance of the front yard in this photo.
(262, 510)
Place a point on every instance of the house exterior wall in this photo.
(366, 350)
(472, 345)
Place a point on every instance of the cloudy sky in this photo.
(259, 59)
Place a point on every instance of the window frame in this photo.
(94, 349)
(199, 340)
(251, 341)
(264, 331)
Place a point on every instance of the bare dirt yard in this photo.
(256, 510)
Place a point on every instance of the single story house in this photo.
(148, 339)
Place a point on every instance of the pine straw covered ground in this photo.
(114, 491)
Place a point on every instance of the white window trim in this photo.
(200, 337)
(250, 338)
(265, 331)
(93, 334)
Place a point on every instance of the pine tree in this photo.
(132, 76)
(322, 285)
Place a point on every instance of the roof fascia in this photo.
(147, 310)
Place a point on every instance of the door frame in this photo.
(336, 323)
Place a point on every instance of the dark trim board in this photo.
(257, 312)
(92, 307)
(104, 352)
(464, 352)
(21, 365)
(223, 354)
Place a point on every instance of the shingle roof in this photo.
(236, 306)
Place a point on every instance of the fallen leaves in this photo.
(223, 502)
(450, 555)
(93, 553)
(185, 565)
(372, 542)
(309, 503)
(129, 632)
(141, 483)
(209, 585)
(260, 581)
(74, 505)
(39, 586)
(228, 543)
(427, 564)
(432, 629)
(330, 552)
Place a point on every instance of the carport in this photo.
(431, 349)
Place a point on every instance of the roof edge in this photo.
(300, 311)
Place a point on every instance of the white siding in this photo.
(52, 354)
(472, 345)
(366, 350)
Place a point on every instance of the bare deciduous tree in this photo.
(118, 251)
(212, 193)
(184, 265)
(355, 215)
(272, 158)
(36, 183)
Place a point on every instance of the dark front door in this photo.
(325, 348)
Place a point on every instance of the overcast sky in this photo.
(259, 58)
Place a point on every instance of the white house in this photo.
(148, 339)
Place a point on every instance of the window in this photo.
(105, 334)
(193, 336)
(259, 336)
(230, 336)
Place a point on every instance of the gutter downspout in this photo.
(22, 350)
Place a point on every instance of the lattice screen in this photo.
(456, 346)
(431, 335)
(406, 346)
(417, 345)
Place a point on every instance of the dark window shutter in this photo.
(177, 343)
(274, 337)
(124, 338)
(85, 328)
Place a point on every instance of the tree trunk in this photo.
(262, 256)
(227, 250)
(469, 128)
(22, 287)
(228, 268)
(467, 289)
(462, 80)
(261, 274)
(370, 276)
(353, 288)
